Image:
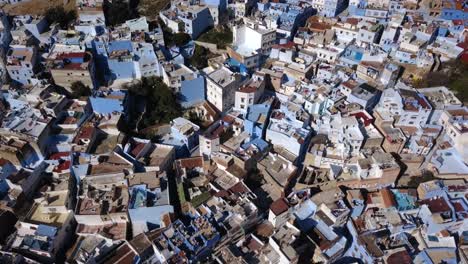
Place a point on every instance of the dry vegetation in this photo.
(151, 8)
(36, 7)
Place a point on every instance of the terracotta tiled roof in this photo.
(387, 198)
(4, 162)
(279, 206)
(58, 155)
(288, 45)
(352, 21)
(400, 257)
(228, 119)
(238, 188)
(62, 166)
(248, 89)
(222, 193)
(437, 205)
(137, 149)
(190, 162)
(124, 254)
(253, 244)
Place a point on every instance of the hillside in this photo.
(36, 7)
(151, 8)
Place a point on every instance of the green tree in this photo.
(231, 14)
(221, 36)
(459, 79)
(118, 12)
(454, 75)
(59, 15)
(151, 8)
(161, 104)
(195, 118)
(181, 26)
(200, 57)
(181, 39)
(200, 199)
(170, 38)
(425, 177)
(80, 90)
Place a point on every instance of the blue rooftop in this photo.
(236, 66)
(404, 200)
(120, 45)
(45, 230)
(150, 215)
(261, 144)
(192, 92)
(138, 198)
(256, 110)
(188, 49)
(353, 53)
(105, 105)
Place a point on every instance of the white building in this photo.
(329, 8)
(20, 64)
(221, 87)
(279, 213)
(369, 33)
(346, 31)
(253, 37)
(456, 126)
(411, 107)
(288, 128)
(210, 140)
(147, 60)
(328, 54)
(248, 94)
(344, 133)
(191, 19)
(42, 241)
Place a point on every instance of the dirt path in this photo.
(36, 7)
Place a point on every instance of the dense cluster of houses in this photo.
(303, 141)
